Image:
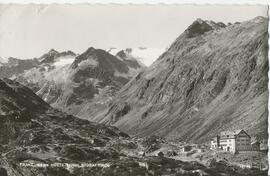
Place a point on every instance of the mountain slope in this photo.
(36, 139)
(32, 131)
(212, 78)
(21, 107)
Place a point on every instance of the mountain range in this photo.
(75, 83)
(212, 78)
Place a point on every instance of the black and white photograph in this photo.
(133, 90)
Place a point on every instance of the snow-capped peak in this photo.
(54, 56)
(143, 54)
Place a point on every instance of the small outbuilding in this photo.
(255, 146)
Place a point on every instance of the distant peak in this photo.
(199, 20)
(122, 54)
(199, 27)
(259, 19)
(49, 57)
(91, 49)
(128, 50)
(52, 51)
(67, 53)
(94, 56)
(94, 51)
(57, 53)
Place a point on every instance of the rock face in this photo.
(131, 61)
(212, 78)
(79, 83)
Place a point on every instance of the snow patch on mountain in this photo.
(148, 55)
(88, 62)
(145, 55)
(65, 60)
(58, 75)
(3, 60)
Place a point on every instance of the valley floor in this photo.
(130, 156)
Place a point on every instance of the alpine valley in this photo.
(110, 111)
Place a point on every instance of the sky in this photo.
(28, 31)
